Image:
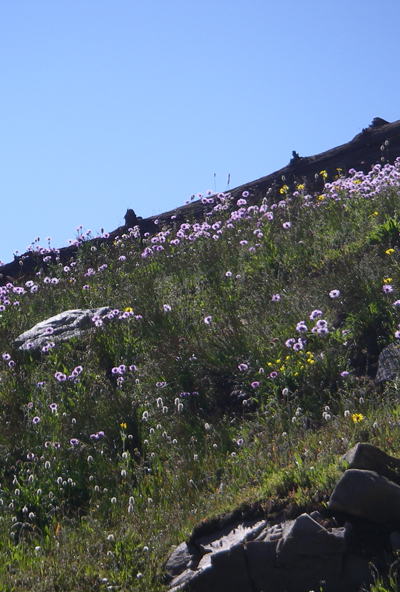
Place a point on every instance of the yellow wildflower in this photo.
(128, 309)
(321, 197)
(356, 417)
(300, 187)
(389, 251)
(387, 280)
(283, 189)
(324, 174)
(123, 426)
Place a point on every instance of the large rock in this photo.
(293, 556)
(64, 326)
(367, 495)
(305, 540)
(372, 458)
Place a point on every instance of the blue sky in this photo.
(109, 104)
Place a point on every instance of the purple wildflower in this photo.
(276, 297)
(387, 288)
(334, 293)
(74, 442)
(298, 346)
(316, 314)
(273, 374)
(36, 420)
(60, 376)
(208, 320)
(243, 367)
(286, 225)
(255, 384)
(166, 308)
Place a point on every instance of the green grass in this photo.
(211, 409)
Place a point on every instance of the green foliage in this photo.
(229, 339)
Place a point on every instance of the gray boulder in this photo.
(372, 458)
(367, 495)
(64, 326)
(293, 556)
(305, 540)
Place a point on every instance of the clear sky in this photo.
(110, 104)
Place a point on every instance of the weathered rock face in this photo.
(294, 556)
(298, 555)
(64, 326)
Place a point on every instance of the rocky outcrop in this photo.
(64, 326)
(309, 553)
(379, 142)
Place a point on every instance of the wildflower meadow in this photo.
(235, 368)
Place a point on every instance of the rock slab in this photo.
(64, 326)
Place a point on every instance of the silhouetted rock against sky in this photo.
(378, 143)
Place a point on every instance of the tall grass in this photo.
(230, 337)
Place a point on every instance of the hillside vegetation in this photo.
(236, 368)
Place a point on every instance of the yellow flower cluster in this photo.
(310, 358)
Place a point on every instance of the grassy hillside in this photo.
(236, 369)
